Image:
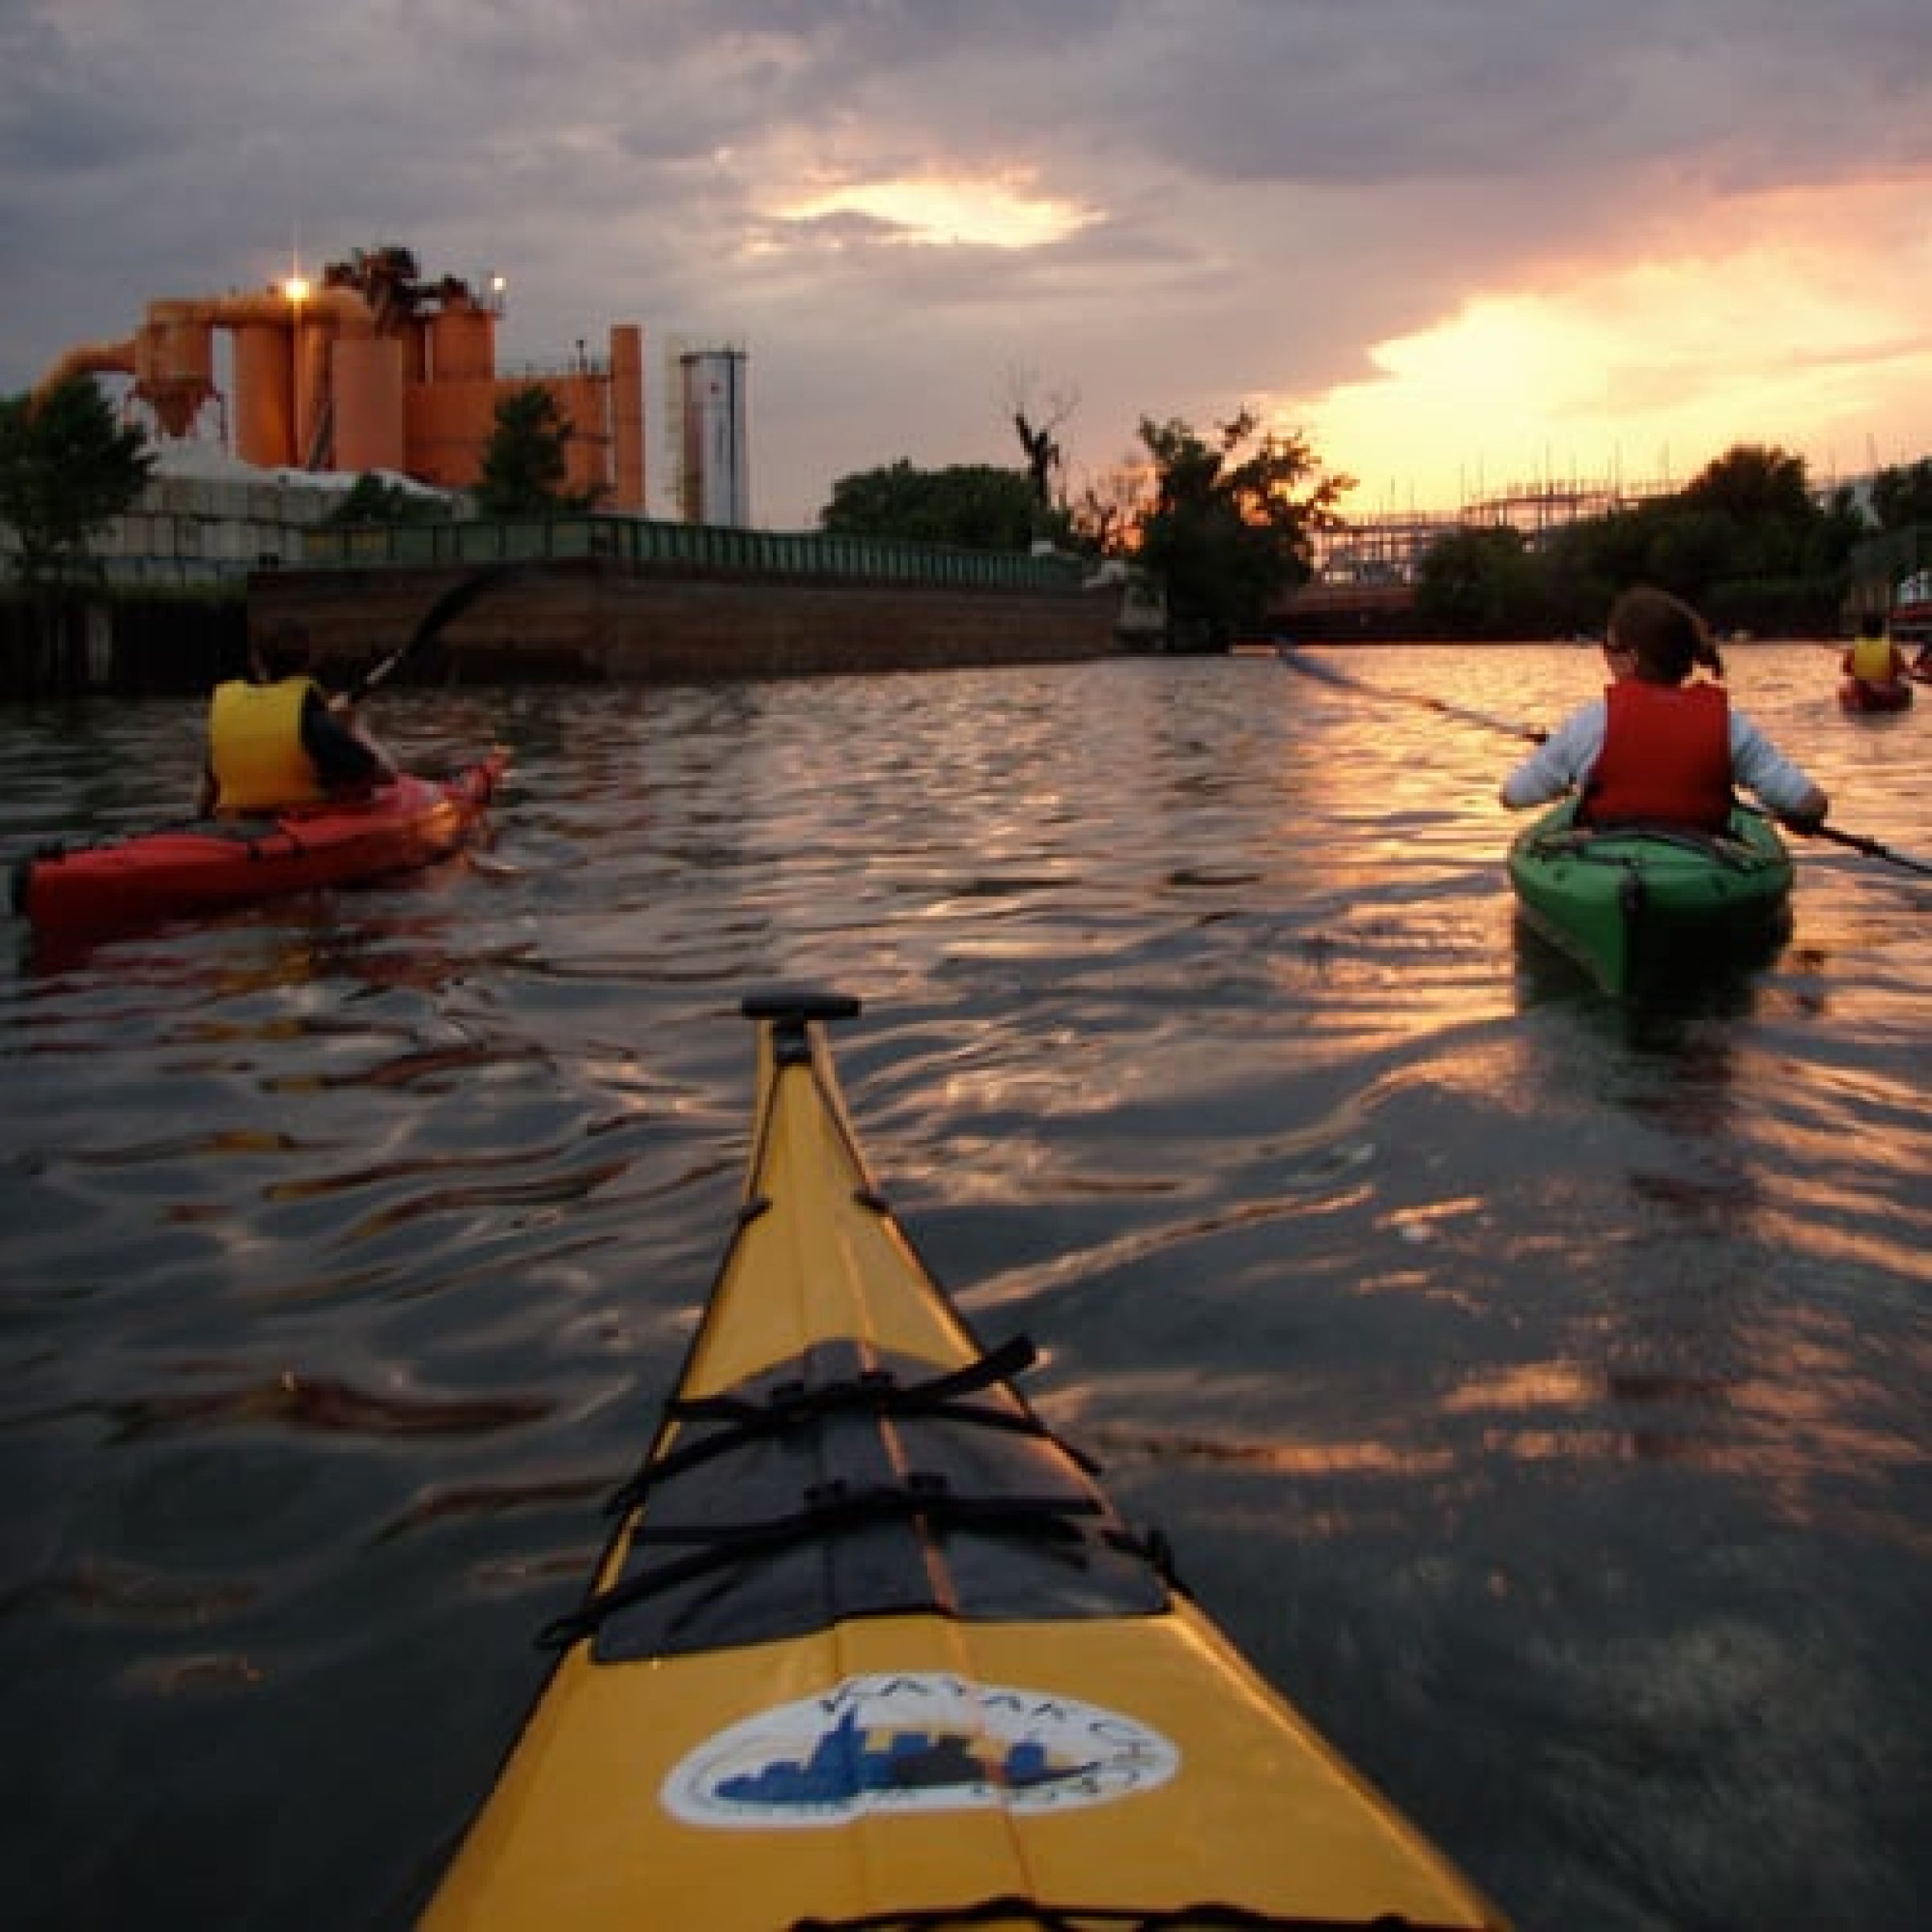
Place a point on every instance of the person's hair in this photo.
(1666, 635)
(285, 653)
(1871, 624)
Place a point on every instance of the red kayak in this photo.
(212, 863)
(1862, 694)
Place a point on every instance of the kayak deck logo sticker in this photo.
(921, 1741)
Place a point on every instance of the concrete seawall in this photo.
(597, 618)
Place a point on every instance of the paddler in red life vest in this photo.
(1654, 749)
(276, 738)
(1873, 658)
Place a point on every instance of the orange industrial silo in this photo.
(627, 417)
(462, 341)
(366, 383)
(447, 425)
(450, 413)
(264, 400)
(370, 371)
(582, 398)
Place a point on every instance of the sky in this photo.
(1459, 246)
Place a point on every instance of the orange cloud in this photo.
(1798, 323)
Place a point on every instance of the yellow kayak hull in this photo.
(928, 1753)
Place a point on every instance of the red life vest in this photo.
(1666, 757)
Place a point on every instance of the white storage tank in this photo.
(714, 485)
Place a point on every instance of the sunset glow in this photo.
(990, 213)
(1808, 335)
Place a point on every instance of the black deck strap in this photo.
(876, 1392)
(833, 1509)
(878, 1389)
(1208, 1915)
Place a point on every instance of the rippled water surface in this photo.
(1535, 1387)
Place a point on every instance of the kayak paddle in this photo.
(1326, 674)
(1858, 842)
(453, 601)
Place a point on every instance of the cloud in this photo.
(1174, 207)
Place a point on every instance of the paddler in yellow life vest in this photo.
(1873, 658)
(276, 738)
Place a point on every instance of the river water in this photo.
(1534, 1386)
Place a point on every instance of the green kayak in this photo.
(1640, 906)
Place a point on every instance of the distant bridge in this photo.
(1366, 568)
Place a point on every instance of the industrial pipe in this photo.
(172, 355)
(86, 359)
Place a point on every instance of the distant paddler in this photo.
(1876, 665)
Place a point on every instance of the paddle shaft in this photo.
(1853, 841)
(1326, 674)
(451, 603)
(1870, 847)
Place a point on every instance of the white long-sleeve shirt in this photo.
(1567, 756)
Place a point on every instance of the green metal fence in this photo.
(700, 546)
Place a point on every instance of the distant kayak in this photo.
(870, 1648)
(1866, 693)
(1637, 907)
(210, 864)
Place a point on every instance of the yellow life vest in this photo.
(1871, 660)
(255, 746)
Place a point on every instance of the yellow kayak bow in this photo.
(870, 1648)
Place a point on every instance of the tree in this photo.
(1746, 540)
(1106, 519)
(1755, 504)
(67, 468)
(1752, 484)
(375, 499)
(1835, 532)
(1903, 497)
(526, 460)
(972, 505)
(1484, 581)
(1693, 549)
(1230, 527)
(1036, 429)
